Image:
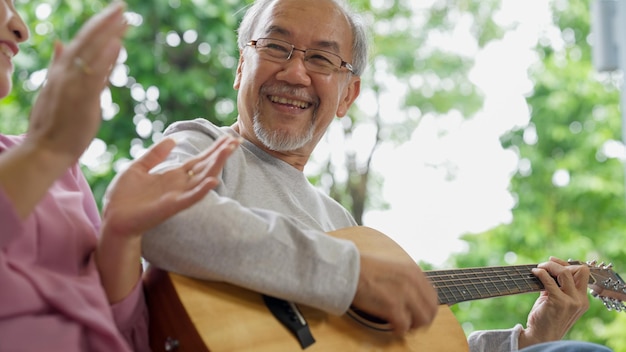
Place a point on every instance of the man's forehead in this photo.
(286, 19)
(324, 42)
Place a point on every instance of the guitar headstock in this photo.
(607, 285)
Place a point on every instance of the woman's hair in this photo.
(357, 24)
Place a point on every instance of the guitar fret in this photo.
(455, 285)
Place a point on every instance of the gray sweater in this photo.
(263, 228)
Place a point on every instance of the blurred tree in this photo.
(408, 62)
(569, 184)
(178, 63)
(182, 66)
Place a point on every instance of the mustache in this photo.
(293, 92)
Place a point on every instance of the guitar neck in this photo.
(459, 285)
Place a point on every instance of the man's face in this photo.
(290, 107)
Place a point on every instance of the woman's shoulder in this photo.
(8, 141)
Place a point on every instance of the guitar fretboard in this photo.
(454, 286)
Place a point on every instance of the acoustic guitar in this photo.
(187, 314)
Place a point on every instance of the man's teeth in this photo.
(6, 51)
(297, 103)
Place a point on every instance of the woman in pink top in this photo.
(68, 280)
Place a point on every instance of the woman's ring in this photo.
(190, 173)
(82, 65)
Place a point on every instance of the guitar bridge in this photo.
(289, 315)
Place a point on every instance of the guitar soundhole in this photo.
(368, 320)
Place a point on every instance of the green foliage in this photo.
(436, 79)
(193, 78)
(574, 116)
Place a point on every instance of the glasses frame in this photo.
(344, 64)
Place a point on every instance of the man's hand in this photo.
(391, 285)
(561, 303)
(396, 291)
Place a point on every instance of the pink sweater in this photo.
(50, 293)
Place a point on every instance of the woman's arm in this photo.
(66, 114)
(138, 200)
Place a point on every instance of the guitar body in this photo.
(195, 315)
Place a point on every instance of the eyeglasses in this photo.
(315, 60)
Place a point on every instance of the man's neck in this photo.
(296, 158)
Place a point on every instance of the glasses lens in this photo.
(322, 61)
(273, 49)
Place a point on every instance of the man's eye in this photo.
(320, 59)
(277, 47)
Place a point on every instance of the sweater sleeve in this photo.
(131, 313)
(11, 223)
(217, 239)
(131, 318)
(495, 340)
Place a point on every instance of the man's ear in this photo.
(237, 82)
(351, 93)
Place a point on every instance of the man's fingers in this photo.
(559, 261)
(546, 279)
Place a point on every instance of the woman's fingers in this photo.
(212, 160)
(156, 154)
(96, 47)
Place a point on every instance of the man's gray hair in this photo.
(360, 45)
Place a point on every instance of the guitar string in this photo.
(474, 283)
(479, 283)
(473, 273)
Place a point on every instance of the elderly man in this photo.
(266, 228)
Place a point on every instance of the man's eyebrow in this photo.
(328, 45)
(277, 29)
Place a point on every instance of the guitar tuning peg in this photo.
(592, 262)
(608, 303)
(618, 306)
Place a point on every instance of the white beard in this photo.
(281, 142)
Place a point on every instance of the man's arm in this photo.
(217, 239)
